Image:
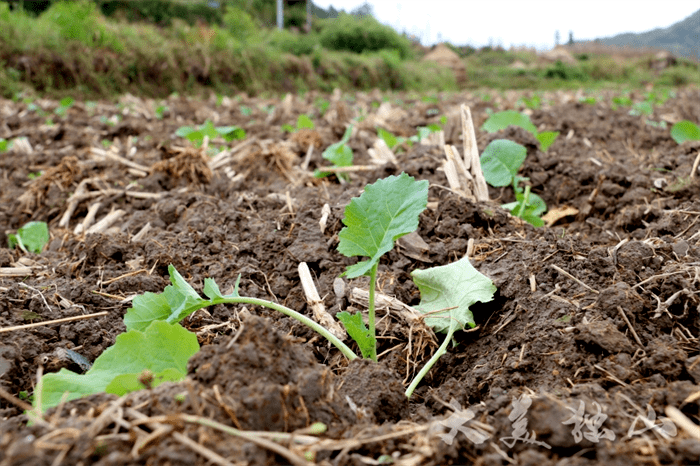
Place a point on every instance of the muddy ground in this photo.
(598, 311)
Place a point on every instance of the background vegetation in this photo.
(100, 48)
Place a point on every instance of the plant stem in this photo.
(372, 332)
(293, 314)
(424, 371)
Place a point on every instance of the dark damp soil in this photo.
(589, 353)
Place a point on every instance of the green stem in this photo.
(372, 332)
(424, 371)
(291, 313)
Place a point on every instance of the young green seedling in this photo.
(32, 237)
(502, 120)
(620, 101)
(339, 154)
(447, 292)
(155, 342)
(386, 211)
(500, 163)
(196, 135)
(160, 111)
(422, 133)
(685, 131)
(303, 122)
(62, 109)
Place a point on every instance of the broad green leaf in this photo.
(3, 144)
(501, 161)
(339, 154)
(448, 291)
(175, 303)
(208, 129)
(685, 131)
(127, 383)
(390, 140)
(230, 133)
(502, 120)
(304, 122)
(33, 236)
(359, 332)
(162, 349)
(67, 102)
(182, 298)
(386, 211)
(287, 128)
(546, 139)
(145, 309)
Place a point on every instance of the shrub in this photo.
(363, 35)
(162, 12)
(564, 72)
(239, 23)
(294, 43)
(79, 21)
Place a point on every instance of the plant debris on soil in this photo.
(589, 353)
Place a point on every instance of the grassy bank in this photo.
(72, 49)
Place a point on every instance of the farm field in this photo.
(588, 354)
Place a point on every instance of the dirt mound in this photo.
(444, 56)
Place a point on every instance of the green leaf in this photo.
(67, 102)
(386, 211)
(162, 349)
(287, 128)
(339, 153)
(502, 120)
(3, 144)
(390, 140)
(684, 131)
(127, 383)
(208, 129)
(546, 139)
(358, 331)
(501, 161)
(175, 303)
(211, 289)
(230, 133)
(145, 309)
(527, 206)
(642, 108)
(184, 131)
(304, 122)
(33, 236)
(448, 291)
(182, 298)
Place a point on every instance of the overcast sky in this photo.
(521, 22)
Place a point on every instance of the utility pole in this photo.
(280, 14)
(308, 16)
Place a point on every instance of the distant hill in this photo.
(682, 38)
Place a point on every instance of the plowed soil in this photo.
(598, 311)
